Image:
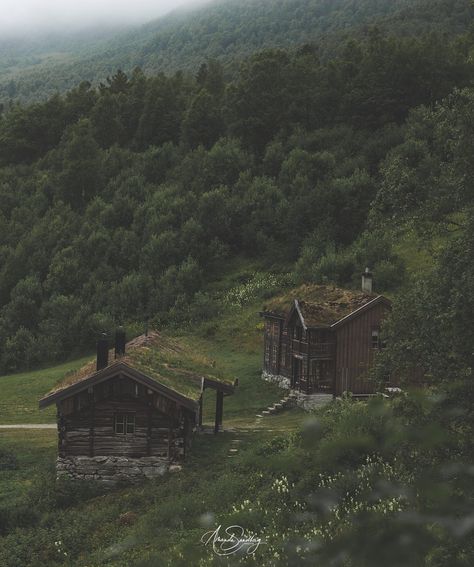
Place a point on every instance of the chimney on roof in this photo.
(120, 340)
(102, 352)
(367, 281)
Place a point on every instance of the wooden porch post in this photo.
(200, 410)
(280, 328)
(219, 410)
(91, 421)
(61, 431)
(149, 429)
(306, 362)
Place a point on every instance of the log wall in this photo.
(86, 423)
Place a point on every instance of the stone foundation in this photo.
(281, 381)
(111, 470)
(311, 402)
(308, 402)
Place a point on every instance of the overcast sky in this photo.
(40, 15)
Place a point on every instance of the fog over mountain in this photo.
(39, 16)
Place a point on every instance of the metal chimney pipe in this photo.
(367, 281)
(102, 353)
(120, 342)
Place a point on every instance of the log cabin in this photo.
(321, 341)
(130, 414)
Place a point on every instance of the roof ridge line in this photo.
(365, 306)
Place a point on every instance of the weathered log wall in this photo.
(86, 423)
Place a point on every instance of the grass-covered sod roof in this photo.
(320, 305)
(167, 361)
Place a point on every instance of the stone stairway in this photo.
(234, 448)
(285, 403)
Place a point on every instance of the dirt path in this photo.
(29, 426)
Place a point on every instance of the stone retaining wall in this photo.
(311, 402)
(281, 381)
(111, 470)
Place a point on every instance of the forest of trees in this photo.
(227, 30)
(123, 202)
(138, 200)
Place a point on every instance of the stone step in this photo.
(278, 406)
(266, 412)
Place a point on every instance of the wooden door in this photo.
(296, 374)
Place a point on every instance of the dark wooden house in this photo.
(133, 417)
(322, 339)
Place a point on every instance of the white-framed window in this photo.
(375, 339)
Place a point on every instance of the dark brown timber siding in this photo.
(87, 422)
(354, 352)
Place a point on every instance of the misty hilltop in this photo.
(227, 30)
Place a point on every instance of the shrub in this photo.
(336, 267)
(259, 285)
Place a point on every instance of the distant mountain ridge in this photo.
(228, 30)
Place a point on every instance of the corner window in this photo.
(375, 338)
(274, 354)
(124, 423)
(267, 353)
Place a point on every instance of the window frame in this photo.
(274, 354)
(124, 424)
(375, 339)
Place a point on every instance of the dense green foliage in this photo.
(21, 51)
(188, 201)
(356, 485)
(228, 30)
(353, 485)
(428, 188)
(123, 203)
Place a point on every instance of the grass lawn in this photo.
(156, 523)
(21, 393)
(35, 451)
(159, 522)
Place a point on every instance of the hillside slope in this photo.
(125, 203)
(228, 30)
(348, 477)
